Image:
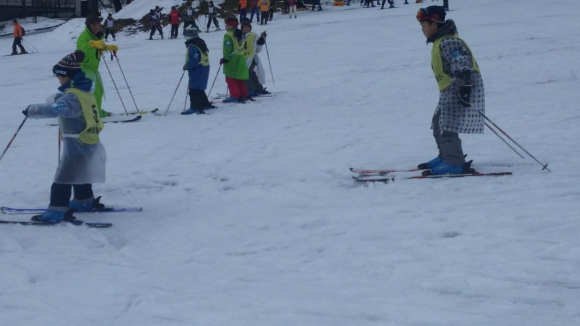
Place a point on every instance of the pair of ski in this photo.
(126, 117)
(271, 94)
(18, 211)
(386, 175)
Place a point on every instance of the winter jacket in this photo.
(252, 46)
(174, 16)
(459, 69)
(264, 5)
(197, 63)
(109, 23)
(255, 4)
(243, 4)
(81, 162)
(17, 30)
(233, 55)
(291, 3)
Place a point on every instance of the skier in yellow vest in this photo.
(461, 92)
(83, 159)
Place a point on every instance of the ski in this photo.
(375, 178)
(272, 94)
(15, 55)
(122, 120)
(138, 113)
(382, 171)
(73, 222)
(13, 211)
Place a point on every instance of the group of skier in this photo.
(78, 105)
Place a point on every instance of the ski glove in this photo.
(465, 95)
(222, 61)
(264, 34)
(111, 47)
(98, 45)
(25, 111)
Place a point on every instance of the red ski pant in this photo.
(237, 88)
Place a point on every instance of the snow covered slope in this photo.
(250, 214)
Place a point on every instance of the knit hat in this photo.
(432, 13)
(190, 32)
(93, 18)
(232, 21)
(69, 65)
(246, 22)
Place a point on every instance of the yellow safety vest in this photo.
(444, 80)
(204, 60)
(94, 124)
(249, 50)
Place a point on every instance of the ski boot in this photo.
(87, 205)
(192, 111)
(52, 216)
(231, 100)
(445, 168)
(431, 164)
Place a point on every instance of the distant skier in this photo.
(243, 9)
(255, 10)
(189, 17)
(109, 22)
(461, 90)
(264, 6)
(90, 42)
(292, 9)
(234, 62)
(252, 46)
(155, 19)
(212, 13)
(391, 3)
(83, 158)
(18, 34)
(197, 65)
(174, 16)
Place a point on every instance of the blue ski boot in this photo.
(230, 100)
(445, 168)
(87, 205)
(431, 164)
(54, 216)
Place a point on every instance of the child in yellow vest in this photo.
(461, 92)
(83, 159)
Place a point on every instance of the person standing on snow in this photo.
(234, 62)
(83, 159)
(90, 42)
(174, 16)
(292, 6)
(252, 46)
(189, 18)
(264, 7)
(155, 18)
(461, 91)
(211, 11)
(197, 65)
(18, 33)
(243, 9)
(109, 28)
(255, 11)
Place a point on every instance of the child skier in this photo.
(252, 46)
(211, 11)
(234, 62)
(83, 159)
(461, 91)
(197, 65)
(109, 22)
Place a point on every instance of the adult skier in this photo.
(234, 62)
(197, 65)
(255, 11)
(252, 46)
(292, 9)
(109, 22)
(155, 18)
(212, 13)
(83, 158)
(243, 9)
(174, 16)
(90, 42)
(461, 91)
(264, 6)
(18, 34)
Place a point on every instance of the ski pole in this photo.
(58, 145)
(176, 88)
(185, 103)
(129, 88)
(269, 63)
(544, 166)
(106, 65)
(216, 75)
(500, 137)
(30, 45)
(11, 140)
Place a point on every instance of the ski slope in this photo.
(250, 216)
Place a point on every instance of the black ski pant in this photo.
(390, 3)
(174, 28)
(109, 30)
(60, 193)
(214, 20)
(198, 99)
(264, 20)
(253, 84)
(448, 143)
(155, 28)
(315, 3)
(18, 42)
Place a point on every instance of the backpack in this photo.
(23, 31)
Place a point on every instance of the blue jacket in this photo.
(197, 63)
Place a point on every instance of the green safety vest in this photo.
(444, 80)
(249, 45)
(204, 61)
(94, 124)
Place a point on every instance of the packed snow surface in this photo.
(250, 215)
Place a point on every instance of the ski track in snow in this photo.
(250, 214)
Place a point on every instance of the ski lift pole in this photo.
(269, 63)
(129, 88)
(176, 88)
(114, 84)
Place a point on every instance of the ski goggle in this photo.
(423, 15)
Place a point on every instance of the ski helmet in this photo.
(190, 32)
